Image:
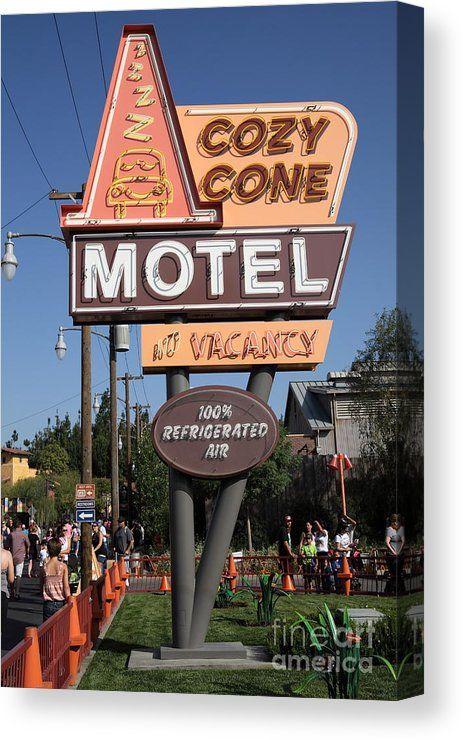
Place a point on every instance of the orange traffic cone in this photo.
(109, 597)
(165, 585)
(288, 583)
(116, 583)
(232, 573)
(345, 575)
(123, 575)
(76, 638)
(32, 666)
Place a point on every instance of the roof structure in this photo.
(314, 410)
(16, 451)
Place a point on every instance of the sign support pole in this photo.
(114, 431)
(222, 525)
(86, 432)
(343, 490)
(182, 540)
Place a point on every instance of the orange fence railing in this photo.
(13, 664)
(370, 574)
(51, 655)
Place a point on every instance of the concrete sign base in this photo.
(210, 650)
(256, 657)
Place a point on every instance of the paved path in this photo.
(27, 612)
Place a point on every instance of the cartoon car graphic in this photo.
(140, 180)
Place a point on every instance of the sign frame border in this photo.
(130, 314)
(217, 387)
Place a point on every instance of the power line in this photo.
(53, 406)
(25, 210)
(25, 135)
(101, 55)
(70, 88)
(105, 359)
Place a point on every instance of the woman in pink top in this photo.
(54, 580)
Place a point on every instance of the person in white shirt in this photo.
(345, 535)
(321, 539)
(65, 542)
(395, 541)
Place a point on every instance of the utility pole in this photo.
(138, 408)
(128, 438)
(128, 445)
(86, 433)
(137, 425)
(114, 430)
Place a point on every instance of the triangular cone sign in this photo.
(140, 176)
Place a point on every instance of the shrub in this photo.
(339, 649)
(267, 599)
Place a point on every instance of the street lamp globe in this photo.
(96, 403)
(9, 261)
(60, 346)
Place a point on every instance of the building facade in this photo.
(15, 465)
(323, 417)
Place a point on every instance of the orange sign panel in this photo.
(284, 163)
(140, 173)
(228, 346)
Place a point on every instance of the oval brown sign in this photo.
(214, 431)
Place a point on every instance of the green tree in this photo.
(52, 458)
(34, 492)
(151, 499)
(388, 383)
(268, 480)
(13, 439)
(101, 447)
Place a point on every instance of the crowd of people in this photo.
(53, 555)
(320, 559)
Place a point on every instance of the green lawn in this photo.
(143, 620)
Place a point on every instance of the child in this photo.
(327, 576)
(43, 553)
(308, 555)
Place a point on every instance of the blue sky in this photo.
(344, 53)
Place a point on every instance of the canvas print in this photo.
(212, 351)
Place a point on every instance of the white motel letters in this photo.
(260, 266)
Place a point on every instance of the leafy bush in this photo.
(225, 596)
(339, 651)
(267, 599)
(395, 638)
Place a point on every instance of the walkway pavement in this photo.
(27, 612)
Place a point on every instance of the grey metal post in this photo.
(86, 434)
(113, 430)
(221, 529)
(182, 538)
(128, 445)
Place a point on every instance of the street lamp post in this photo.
(114, 430)
(118, 342)
(9, 261)
(9, 265)
(86, 434)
